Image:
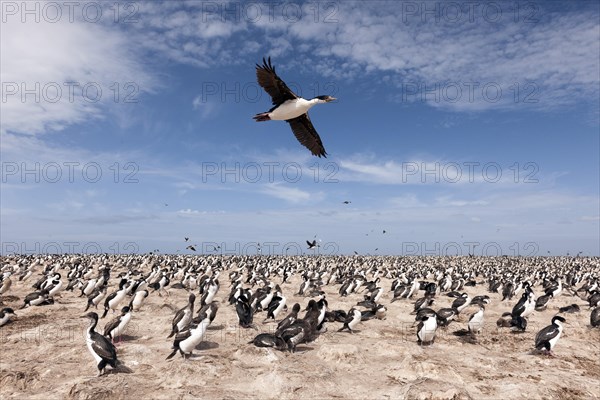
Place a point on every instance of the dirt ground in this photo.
(43, 354)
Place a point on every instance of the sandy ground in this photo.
(43, 355)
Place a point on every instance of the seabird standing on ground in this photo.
(187, 340)
(476, 321)
(426, 330)
(547, 338)
(101, 348)
(290, 107)
(184, 316)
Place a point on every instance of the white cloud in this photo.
(289, 194)
(76, 70)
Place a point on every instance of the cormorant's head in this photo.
(325, 99)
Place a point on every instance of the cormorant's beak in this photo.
(330, 99)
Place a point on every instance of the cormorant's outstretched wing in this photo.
(273, 85)
(307, 135)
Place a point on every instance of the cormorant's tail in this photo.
(262, 117)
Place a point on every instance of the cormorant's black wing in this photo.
(111, 325)
(273, 85)
(103, 347)
(519, 308)
(545, 334)
(307, 135)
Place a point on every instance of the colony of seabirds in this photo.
(255, 288)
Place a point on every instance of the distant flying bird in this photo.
(290, 107)
(187, 238)
(312, 245)
(384, 231)
(347, 202)
(190, 247)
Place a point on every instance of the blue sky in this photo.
(473, 130)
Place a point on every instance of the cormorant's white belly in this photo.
(121, 327)
(89, 342)
(5, 319)
(37, 300)
(290, 109)
(280, 307)
(189, 344)
(427, 333)
(555, 339)
(114, 303)
(529, 307)
(476, 324)
(354, 321)
(137, 301)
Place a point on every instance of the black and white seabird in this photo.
(96, 297)
(186, 341)
(302, 330)
(207, 311)
(101, 348)
(426, 330)
(269, 340)
(462, 302)
(290, 107)
(244, 311)
(37, 299)
(6, 315)
(290, 318)
(352, 319)
(518, 323)
(475, 324)
(377, 311)
(542, 302)
(183, 316)
(116, 327)
(5, 284)
(423, 302)
(275, 307)
(525, 306)
(112, 300)
(138, 300)
(445, 316)
(547, 338)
